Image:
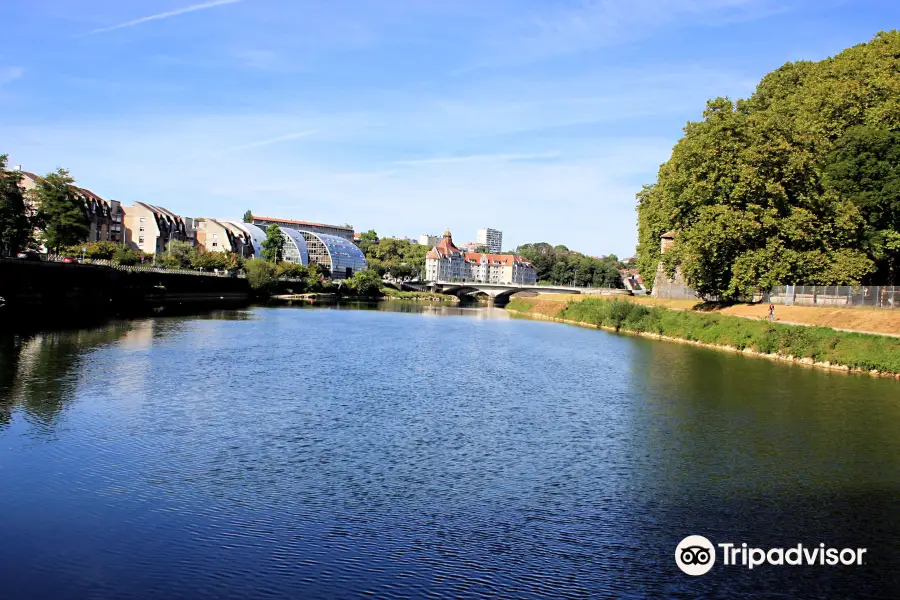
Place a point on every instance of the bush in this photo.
(365, 283)
(260, 274)
(127, 256)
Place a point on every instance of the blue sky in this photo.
(540, 118)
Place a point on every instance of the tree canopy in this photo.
(273, 244)
(560, 266)
(248, 217)
(61, 210)
(796, 185)
(399, 258)
(15, 226)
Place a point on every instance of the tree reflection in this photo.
(39, 373)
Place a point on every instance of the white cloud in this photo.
(594, 24)
(10, 74)
(268, 142)
(165, 15)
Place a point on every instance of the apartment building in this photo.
(492, 239)
(150, 228)
(446, 262)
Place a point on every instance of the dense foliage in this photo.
(15, 226)
(560, 266)
(796, 185)
(61, 211)
(398, 258)
(857, 351)
(272, 246)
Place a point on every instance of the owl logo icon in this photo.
(695, 555)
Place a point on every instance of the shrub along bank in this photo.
(819, 344)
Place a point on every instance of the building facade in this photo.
(104, 216)
(429, 240)
(335, 230)
(446, 262)
(492, 239)
(150, 228)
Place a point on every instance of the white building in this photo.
(492, 239)
(429, 240)
(446, 262)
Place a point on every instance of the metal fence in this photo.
(872, 296)
(148, 268)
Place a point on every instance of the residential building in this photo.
(446, 262)
(429, 240)
(345, 232)
(492, 239)
(104, 216)
(150, 228)
(215, 236)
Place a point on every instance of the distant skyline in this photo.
(540, 119)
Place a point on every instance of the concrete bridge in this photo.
(502, 291)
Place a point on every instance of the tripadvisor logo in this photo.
(696, 555)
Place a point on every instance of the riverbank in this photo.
(819, 347)
(855, 319)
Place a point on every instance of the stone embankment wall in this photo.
(49, 291)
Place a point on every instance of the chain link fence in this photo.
(872, 296)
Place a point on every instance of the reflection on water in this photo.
(336, 453)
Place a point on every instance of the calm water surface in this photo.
(421, 452)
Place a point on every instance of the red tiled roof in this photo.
(446, 247)
(273, 219)
(669, 235)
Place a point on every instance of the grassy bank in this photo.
(815, 344)
(392, 294)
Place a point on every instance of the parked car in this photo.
(29, 255)
(68, 260)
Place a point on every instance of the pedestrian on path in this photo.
(771, 312)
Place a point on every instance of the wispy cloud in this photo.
(268, 142)
(164, 15)
(595, 24)
(10, 74)
(477, 158)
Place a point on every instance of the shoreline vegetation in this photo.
(386, 294)
(819, 347)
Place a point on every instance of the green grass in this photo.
(855, 350)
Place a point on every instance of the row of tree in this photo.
(61, 216)
(560, 266)
(799, 184)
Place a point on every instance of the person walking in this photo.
(771, 312)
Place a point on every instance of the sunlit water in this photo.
(427, 452)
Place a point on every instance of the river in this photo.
(412, 451)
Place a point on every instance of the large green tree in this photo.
(248, 217)
(864, 167)
(746, 190)
(15, 226)
(273, 244)
(62, 212)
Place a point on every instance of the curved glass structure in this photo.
(256, 234)
(341, 257)
(294, 247)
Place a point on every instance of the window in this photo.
(141, 229)
(142, 219)
(215, 244)
(141, 241)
